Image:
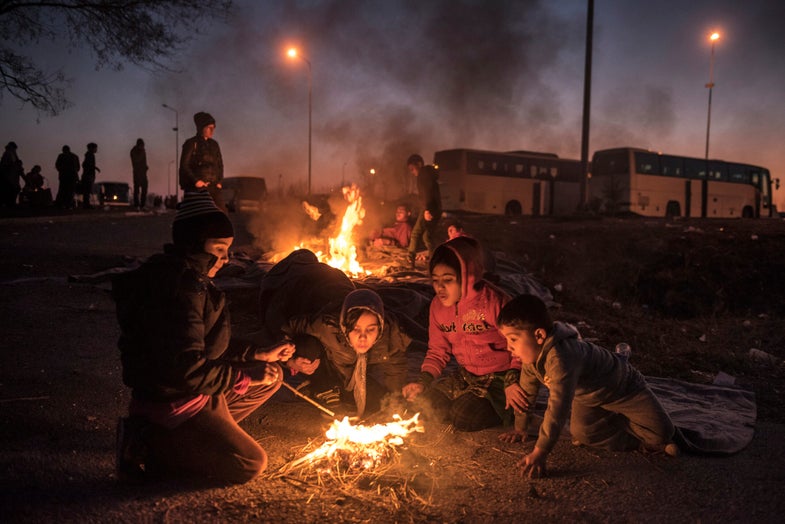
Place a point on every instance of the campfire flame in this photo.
(341, 249)
(352, 448)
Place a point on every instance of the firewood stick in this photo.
(308, 399)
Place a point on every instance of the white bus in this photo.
(510, 183)
(653, 184)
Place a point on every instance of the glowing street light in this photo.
(713, 38)
(293, 54)
(176, 130)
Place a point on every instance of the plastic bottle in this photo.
(624, 350)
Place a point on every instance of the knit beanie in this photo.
(197, 219)
(202, 120)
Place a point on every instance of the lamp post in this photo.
(176, 130)
(293, 53)
(713, 38)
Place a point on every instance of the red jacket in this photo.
(467, 330)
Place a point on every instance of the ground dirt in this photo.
(691, 298)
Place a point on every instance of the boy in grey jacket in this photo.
(611, 405)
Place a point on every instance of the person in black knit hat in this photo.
(191, 382)
(201, 163)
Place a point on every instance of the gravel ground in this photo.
(61, 393)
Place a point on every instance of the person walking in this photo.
(67, 166)
(201, 164)
(431, 206)
(139, 167)
(89, 169)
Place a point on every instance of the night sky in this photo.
(395, 77)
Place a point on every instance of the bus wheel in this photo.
(673, 209)
(747, 212)
(513, 209)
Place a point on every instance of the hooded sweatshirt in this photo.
(467, 330)
(388, 354)
(573, 370)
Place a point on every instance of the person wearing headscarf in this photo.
(363, 349)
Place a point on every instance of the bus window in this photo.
(518, 169)
(554, 172)
(738, 173)
(611, 163)
(671, 166)
(647, 163)
(718, 170)
(533, 171)
(694, 168)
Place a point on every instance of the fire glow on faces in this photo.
(365, 332)
(523, 343)
(446, 284)
(219, 247)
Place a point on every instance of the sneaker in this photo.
(131, 450)
(331, 398)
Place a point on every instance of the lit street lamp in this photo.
(292, 52)
(713, 38)
(176, 130)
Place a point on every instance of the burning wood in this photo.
(341, 249)
(351, 451)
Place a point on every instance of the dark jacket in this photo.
(428, 189)
(139, 162)
(88, 166)
(201, 160)
(175, 329)
(67, 165)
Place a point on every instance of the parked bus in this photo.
(510, 183)
(653, 184)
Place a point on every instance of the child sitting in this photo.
(462, 325)
(398, 234)
(612, 407)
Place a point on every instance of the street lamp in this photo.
(713, 38)
(293, 53)
(176, 130)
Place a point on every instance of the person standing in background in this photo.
(201, 164)
(11, 171)
(67, 166)
(89, 170)
(139, 166)
(431, 206)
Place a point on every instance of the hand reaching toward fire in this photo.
(412, 390)
(272, 374)
(512, 436)
(283, 352)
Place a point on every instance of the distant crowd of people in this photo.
(31, 189)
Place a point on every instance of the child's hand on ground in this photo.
(412, 390)
(513, 436)
(533, 464)
(516, 398)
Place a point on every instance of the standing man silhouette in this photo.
(139, 166)
(430, 206)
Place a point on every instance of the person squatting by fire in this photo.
(191, 382)
(462, 325)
